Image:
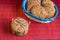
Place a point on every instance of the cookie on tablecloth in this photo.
(19, 26)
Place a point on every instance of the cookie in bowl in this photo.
(31, 3)
(30, 13)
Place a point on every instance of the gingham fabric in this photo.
(37, 31)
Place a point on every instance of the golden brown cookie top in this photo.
(31, 3)
(19, 26)
(19, 22)
(36, 10)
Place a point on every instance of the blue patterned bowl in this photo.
(38, 19)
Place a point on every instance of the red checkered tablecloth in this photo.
(37, 31)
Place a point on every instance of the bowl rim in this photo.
(38, 18)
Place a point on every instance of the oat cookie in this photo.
(48, 3)
(50, 11)
(49, 7)
(36, 10)
(31, 3)
(19, 26)
(43, 13)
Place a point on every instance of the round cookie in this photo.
(43, 13)
(19, 26)
(49, 7)
(50, 11)
(36, 10)
(47, 3)
(31, 3)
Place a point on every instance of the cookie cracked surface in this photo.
(19, 26)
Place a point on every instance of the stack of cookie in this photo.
(41, 8)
